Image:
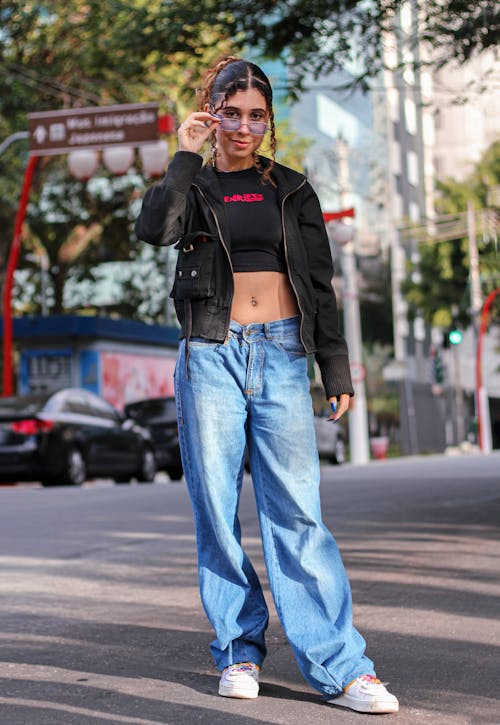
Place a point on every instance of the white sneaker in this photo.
(240, 680)
(366, 694)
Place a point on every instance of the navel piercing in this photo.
(254, 301)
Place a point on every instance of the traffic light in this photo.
(438, 371)
(437, 366)
(454, 335)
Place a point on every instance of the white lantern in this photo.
(154, 157)
(342, 233)
(83, 163)
(118, 159)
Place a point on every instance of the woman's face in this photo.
(235, 148)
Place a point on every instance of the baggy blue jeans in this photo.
(253, 390)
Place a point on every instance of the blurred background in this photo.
(391, 110)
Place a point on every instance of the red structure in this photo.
(7, 385)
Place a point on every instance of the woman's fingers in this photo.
(195, 130)
(341, 405)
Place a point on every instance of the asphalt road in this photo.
(100, 620)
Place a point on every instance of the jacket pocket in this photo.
(195, 270)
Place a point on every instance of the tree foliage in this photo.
(440, 279)
(321, 36)
(77, 53)
(55, 55)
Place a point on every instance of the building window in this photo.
(414, 211)
(410, 116)
(412, 164)
(406, 17)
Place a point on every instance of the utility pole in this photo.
(481, 404)
(475, 279)
(358, 418)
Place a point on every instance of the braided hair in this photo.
(227, 76)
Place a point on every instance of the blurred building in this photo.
(466, 111)
(416, 125)
(437, 124)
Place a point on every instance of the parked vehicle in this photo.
(69, 436)
(329, 439)
(159, 417)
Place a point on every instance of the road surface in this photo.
(100, 620)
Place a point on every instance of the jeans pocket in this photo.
(291, 345)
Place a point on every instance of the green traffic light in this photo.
(455, 337)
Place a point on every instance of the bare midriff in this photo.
(262, 297)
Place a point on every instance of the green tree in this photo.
(318, 37)
(442, 272)
(56, 54)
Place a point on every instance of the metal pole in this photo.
(19, 136)
(358, 417)
(475, 279)
(7, 387)
(483, 411)
(475, 295)
(459, 396)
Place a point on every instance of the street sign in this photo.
(59, 132)
(358, 372)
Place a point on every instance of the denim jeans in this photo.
(253, 390)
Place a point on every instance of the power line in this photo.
(49, 85)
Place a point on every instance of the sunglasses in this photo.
(257, 128)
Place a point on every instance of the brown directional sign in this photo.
(58, 132)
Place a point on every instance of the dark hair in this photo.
(229, 75)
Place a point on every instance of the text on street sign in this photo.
(56, 132)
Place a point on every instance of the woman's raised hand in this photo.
(195, 130)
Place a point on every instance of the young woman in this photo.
(253, 295)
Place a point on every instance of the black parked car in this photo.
(158, 416)
(68, 436)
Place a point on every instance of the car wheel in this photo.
(339, 455)
(74, 472)
(147, 470)
(48, 482)
(175, 473)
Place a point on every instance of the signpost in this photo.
(59, 132)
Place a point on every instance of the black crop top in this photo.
(254, 222)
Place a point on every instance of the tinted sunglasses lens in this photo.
(230, 124)
(258, 128)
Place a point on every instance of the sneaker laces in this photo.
(371, 680)
(242, 667)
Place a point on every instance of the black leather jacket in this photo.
(186, 209)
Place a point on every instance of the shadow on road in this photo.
(101, 620)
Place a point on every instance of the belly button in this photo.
(253, 302)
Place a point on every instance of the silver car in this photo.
(329, 439)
